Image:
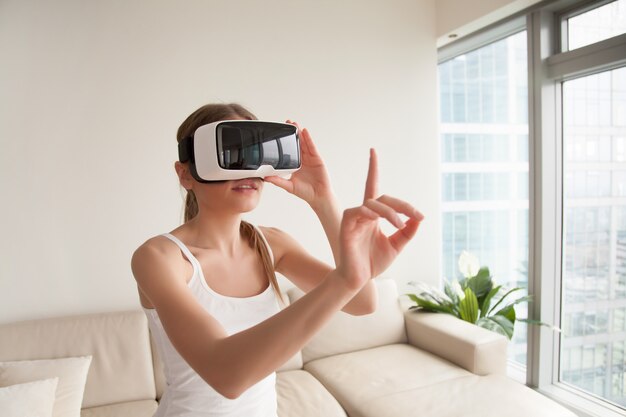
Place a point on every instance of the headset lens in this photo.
(249, 144)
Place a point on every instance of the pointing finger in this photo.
(371, 184)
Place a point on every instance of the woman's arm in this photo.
(312, 184)
(232, 364)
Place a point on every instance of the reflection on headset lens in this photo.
(248, 145)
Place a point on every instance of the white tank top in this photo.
(186, 393)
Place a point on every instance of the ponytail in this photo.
(191, 206)
(257, 241)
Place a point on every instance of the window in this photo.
(594, 248)
(538, 192)
(594, 25)
(484, 142)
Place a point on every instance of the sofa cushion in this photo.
(402, 380)
(29, 399)
(301, 395)
(121, 368)
(71, 374)
(145, 408)
(468, 396)
(347, 333)
(359, 377)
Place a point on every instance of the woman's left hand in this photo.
(311, 182)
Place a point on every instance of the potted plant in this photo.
(476, 299)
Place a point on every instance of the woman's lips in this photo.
(247, 184)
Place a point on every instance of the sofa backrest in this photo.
(121, 368)
(347, 333)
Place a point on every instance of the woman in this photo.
(209, 290)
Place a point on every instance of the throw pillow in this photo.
(72, 374)
(32, 399)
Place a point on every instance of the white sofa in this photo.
(391, 363)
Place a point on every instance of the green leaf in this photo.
(506, 324)
(487, 300)
(508, 312)
(502, 298)
(430, 305)
(514, 302)
(540, 323)
(468, 307)
(498, 324)
(491, 325)
(481, 284)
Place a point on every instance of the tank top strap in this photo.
(267, 245)
(182, 247)
(192, 258)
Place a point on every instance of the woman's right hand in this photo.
(365, 251)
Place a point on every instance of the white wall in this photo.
(92, 92)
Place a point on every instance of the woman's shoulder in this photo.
(155, 248)
(158, 242)
(279, 240)
(274, 235)
(154, 263)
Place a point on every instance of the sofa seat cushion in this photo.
(357, 378)
(144, 408)
(401, 380)
(301, 395)
(469, 396)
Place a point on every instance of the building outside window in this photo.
(484, 148)
(571, 248)
(594, 216)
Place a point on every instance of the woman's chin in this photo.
(246, 206)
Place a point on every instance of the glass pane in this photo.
(594, 233)
(484, 140)
(596, 25)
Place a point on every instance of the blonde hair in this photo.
(212, 113)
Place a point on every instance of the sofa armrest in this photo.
(478, 350)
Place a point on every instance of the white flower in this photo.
(468, 264)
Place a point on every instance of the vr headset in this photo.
(236, 149)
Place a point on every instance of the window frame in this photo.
(548, 66)
(491, 34)
(567, 11)
(547, 71)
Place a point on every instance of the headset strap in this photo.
(185, 150)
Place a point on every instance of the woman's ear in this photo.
(184, 176)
